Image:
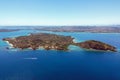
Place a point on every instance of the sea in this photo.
(74, 64)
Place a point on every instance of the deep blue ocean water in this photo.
(75, 64)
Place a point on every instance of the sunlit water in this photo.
(75, 64)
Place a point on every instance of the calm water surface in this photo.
(75, 64)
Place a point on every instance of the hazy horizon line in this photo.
(61, 25)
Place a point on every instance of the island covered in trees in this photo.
(56, 42)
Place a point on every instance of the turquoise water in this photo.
(75, 64)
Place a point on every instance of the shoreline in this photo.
(55, 42)
(11, 45)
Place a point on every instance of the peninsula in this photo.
(96, 45)
(53, 41)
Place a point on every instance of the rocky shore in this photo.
(57, 42)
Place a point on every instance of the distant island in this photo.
(92, 29)
(8, 30)
(56, 42)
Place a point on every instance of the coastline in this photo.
(56, 42)
(11, 45)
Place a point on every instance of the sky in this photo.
(59, 12)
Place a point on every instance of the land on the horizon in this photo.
(8, 30)
(92, 29)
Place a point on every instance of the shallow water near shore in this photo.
(75, 64)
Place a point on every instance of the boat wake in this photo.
(34, 58)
